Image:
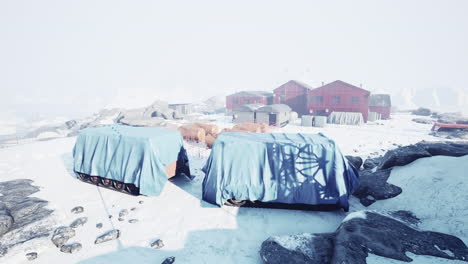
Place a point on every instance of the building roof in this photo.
(303, 85)
(340, 83)
(248, 107)
(275, 108)
(380, 100)
(252, 94)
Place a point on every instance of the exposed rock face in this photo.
(6, 220)
(133, 221)
(356, 161)
(123, 213)
(423, 121)
(79, 222)
(62, 235)
(99, 225)
(24, 218)
(359, 234)
(71, 248)
(402, 156)
(374, 186)
(111, 235)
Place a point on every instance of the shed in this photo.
(338, 96)
(245, 113)
(380, 103)
(274, 115)
(181, 109)
(294, 94)
(248, 97)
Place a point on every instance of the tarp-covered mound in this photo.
(280, 168)
(127, 154)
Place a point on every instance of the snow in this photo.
(196, 232)
(435, 189)
(360, 214)
(417, 259)
(296, 242)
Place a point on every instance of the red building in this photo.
(380, 103)
(248, 97)
(294, 94)
(338, 96)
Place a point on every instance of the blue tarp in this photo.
(137, 155)
(280, 168)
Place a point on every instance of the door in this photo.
(272, 119)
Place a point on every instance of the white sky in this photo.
(79, 56)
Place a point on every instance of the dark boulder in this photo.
(403, 156)
(169, 260)
(359, 234)
(371, 163)
(452, 149)
(111, 235)
(6, 220)
(422, 111)
(423, 121)
(62, 235)
(373, 186)
(71, 248)
(356, 161)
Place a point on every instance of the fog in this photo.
(71, 58)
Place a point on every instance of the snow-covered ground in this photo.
(196, 232)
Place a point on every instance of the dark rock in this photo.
(423, 121)
(25, 212)
(71, 248)
(169, 260)
(77, 210)
(110, 216)
(373, 186)
(62, 235)
(71, 123)
(406, 216)
(356, 161)
(3, 251)
(371, 163)
(111, 235)
(133, 209)
(132, 221)
(403, 156)
(123, 213)
(79, 222)
(359, 234)
(6, 220)
(99, 225)
(157, 244)
(31, 256)
(140, 202)
(452, 149)
(121, 219)
(422, 111)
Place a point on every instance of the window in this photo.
(246, 101)
(355, 100)
(236, 101)
(336, 99)
(318, 99)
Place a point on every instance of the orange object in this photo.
(193, 133)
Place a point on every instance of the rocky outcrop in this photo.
(22, 218)
(359, 234)
(422, 111)
(373, 184)
(423, 121)
(62, 235)
(356, 161)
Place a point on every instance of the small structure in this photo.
(346, 118)
(274, 115)
(246, 113)
(381, 104)
(181, 109)
(290, 169)
(338, 96)
(307, 120)
(294, 94)
(248, 97)
(133, 160)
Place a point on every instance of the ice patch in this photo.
(448, 252)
